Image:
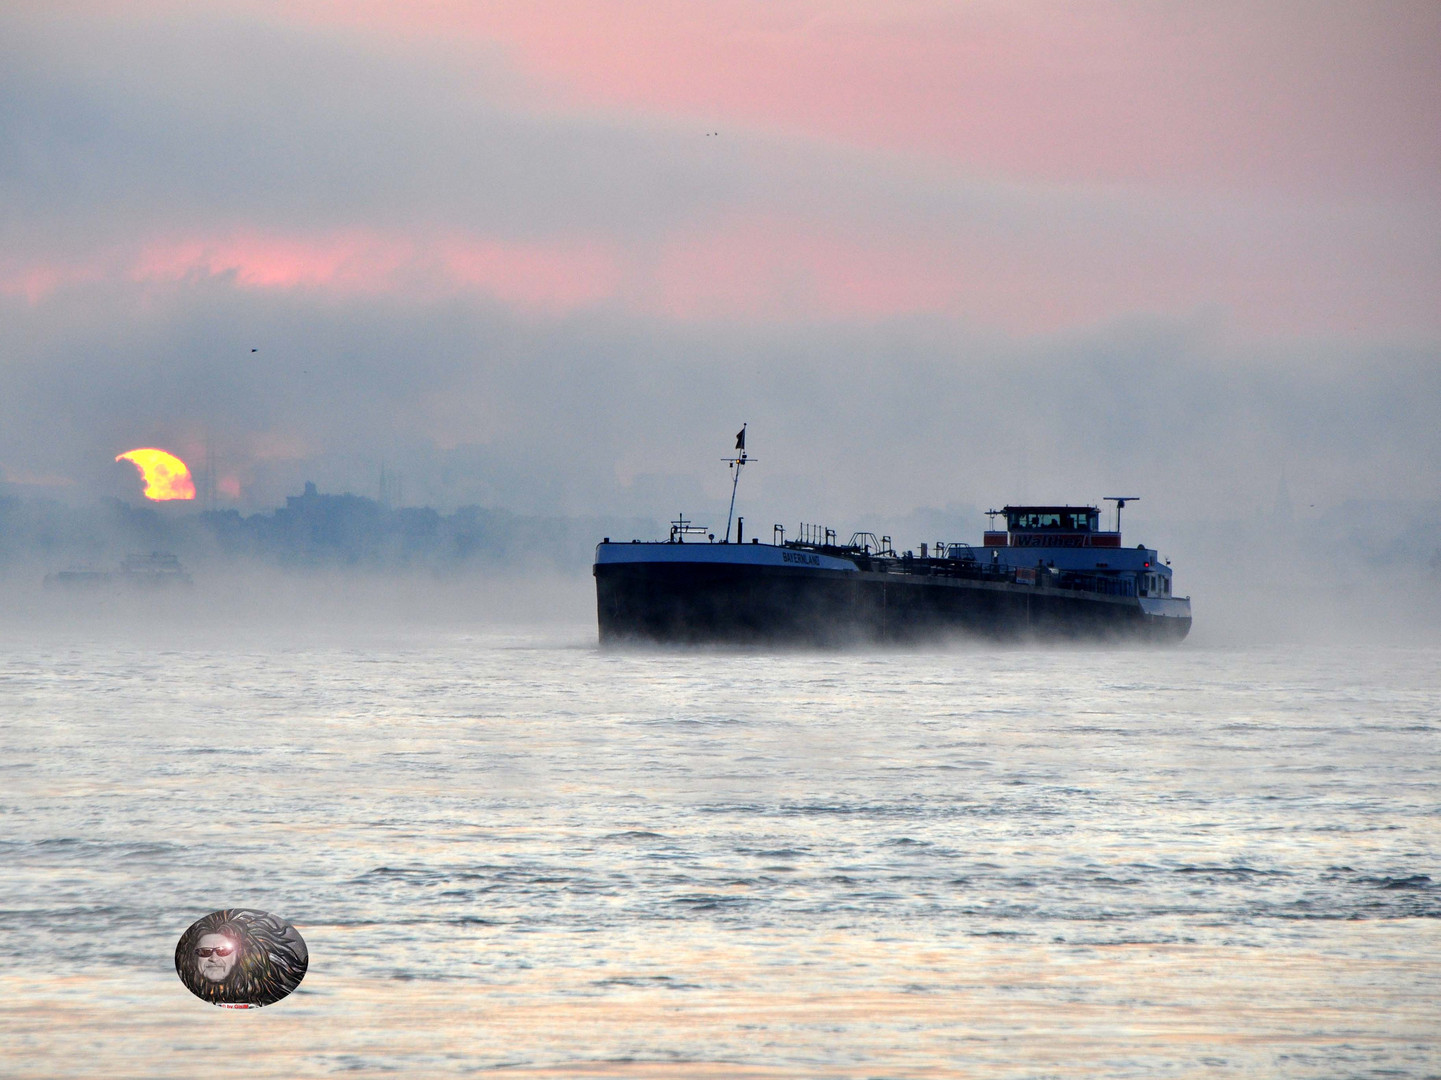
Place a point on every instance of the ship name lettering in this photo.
(805, 560)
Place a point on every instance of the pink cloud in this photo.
(1104, 103)
(350, 261)
(776, 269)
(1335, 96)
(527, 275)
(34, 283)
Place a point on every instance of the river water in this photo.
(509, 851)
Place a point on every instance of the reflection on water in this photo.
(519, 853)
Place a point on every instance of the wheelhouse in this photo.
(1070, 519)
(1050, 526)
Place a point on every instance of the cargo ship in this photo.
(1052, 573)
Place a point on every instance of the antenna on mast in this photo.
(736, 463)
(1120, 501)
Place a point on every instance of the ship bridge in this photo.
(1067, 538)
(1050, 527)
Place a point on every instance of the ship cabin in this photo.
(1066, 538)
(1050, 527)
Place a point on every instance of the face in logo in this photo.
(215, 957)
(241, 958)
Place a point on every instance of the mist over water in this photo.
(508, 849)
(429, 298)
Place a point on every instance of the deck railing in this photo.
(966, 567)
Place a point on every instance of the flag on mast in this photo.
(741, 438)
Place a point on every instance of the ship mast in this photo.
(1121, 501)
(736, 464)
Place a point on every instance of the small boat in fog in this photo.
(155, 570)
(1052, 573)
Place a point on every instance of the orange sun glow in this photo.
(165, 475)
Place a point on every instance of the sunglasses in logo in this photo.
(218, 950)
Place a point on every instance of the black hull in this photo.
(718, 603)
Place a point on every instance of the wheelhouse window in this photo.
(1083, 520)
(1035, 521)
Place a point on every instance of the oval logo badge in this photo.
(239, 958)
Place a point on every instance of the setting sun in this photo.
(165, 475)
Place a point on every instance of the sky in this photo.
(550, 255)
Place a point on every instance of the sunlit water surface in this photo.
(515, 852)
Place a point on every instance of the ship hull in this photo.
(712, 600)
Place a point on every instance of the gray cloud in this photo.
(114, 132)
(475, 403)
